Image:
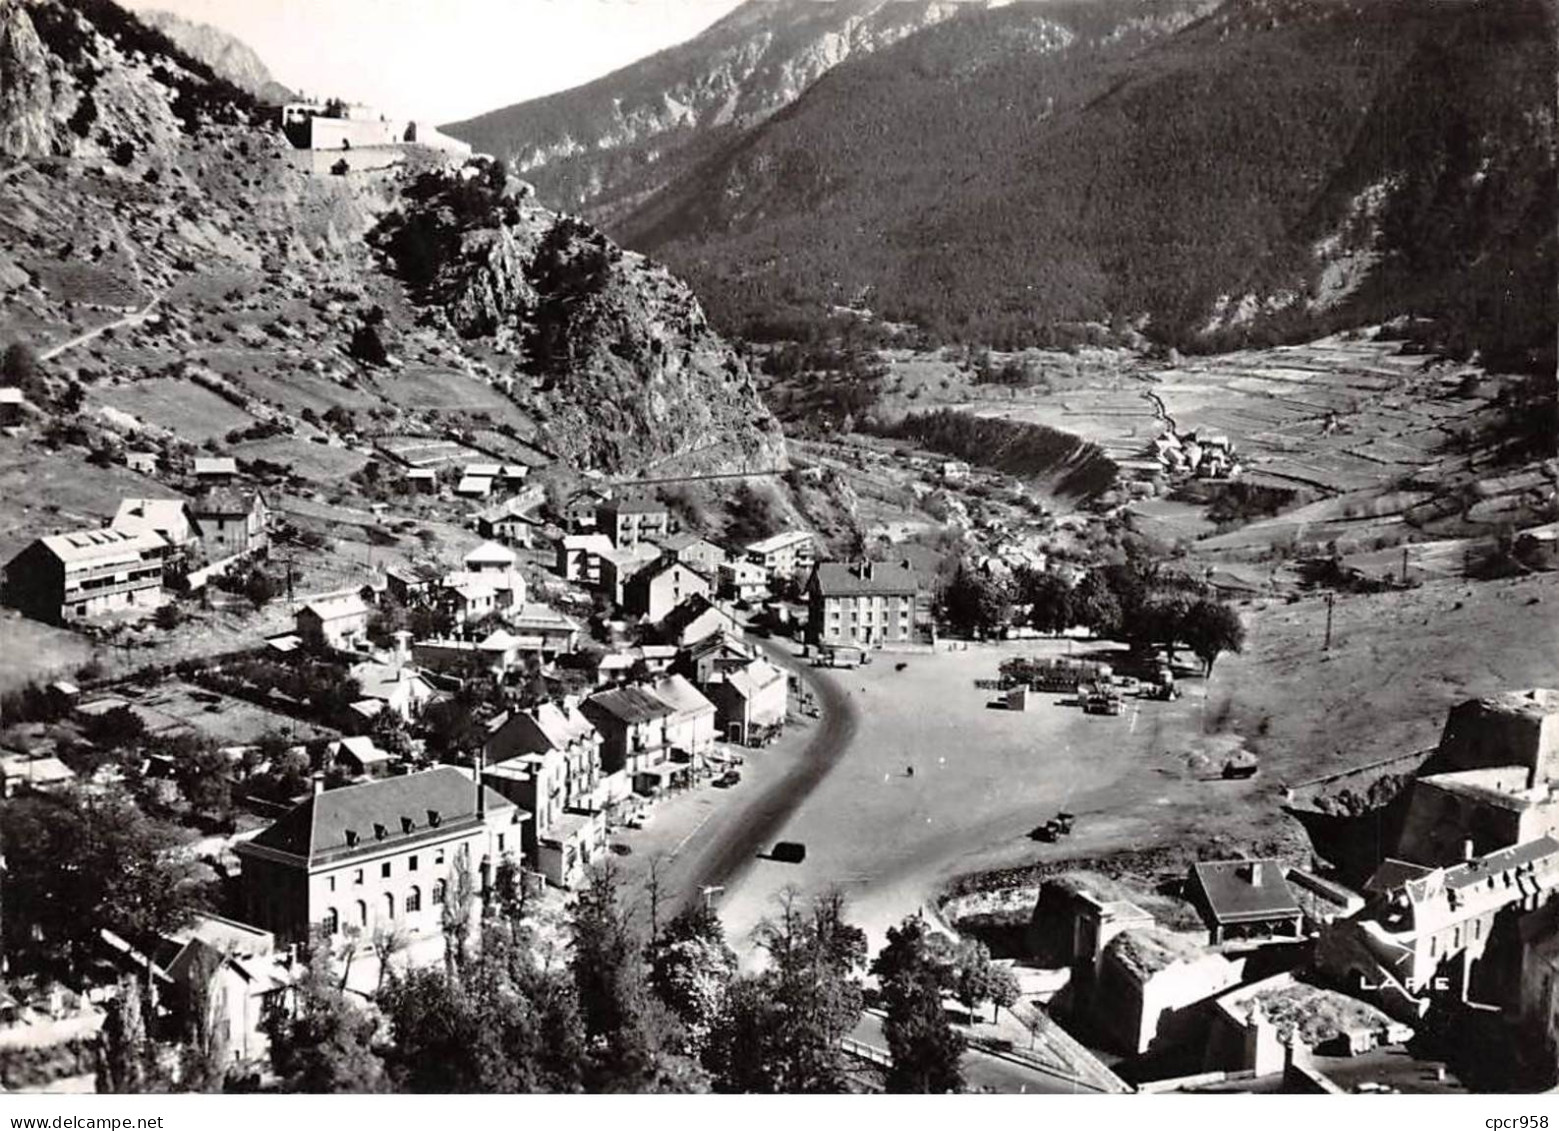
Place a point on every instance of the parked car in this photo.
(789, 852)
(728, 779)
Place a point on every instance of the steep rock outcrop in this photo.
(614, 356)
(26, 92)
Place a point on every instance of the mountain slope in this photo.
(251, 301)
(225, 54)
(1276, 166)
(604, 145)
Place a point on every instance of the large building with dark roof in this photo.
(381, 854)
(1244, 899)
(862, 603)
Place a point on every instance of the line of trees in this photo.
(1135, 601)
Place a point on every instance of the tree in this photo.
(387, 942)
(927, 1053)
(204, 778)
(691, 969)
(974, 603)
(260, 587)
(1095, 605)
(1049, 598)
(455, 916)
(81, 862)
(326, 1044)
(128, 1060)
(1211, 628)
(630, 1037)
(783, 1028)
(203, 1060)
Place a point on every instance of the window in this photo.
(358, 878)
(411, 864)
(332, 922)
(439, 888)
(384, 870)
(362, 913)
(500, 842)
(414, 901)
(389, 905)
(438, 857)
(332, 883)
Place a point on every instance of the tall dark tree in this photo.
(1049, 598)
(975, 603)
(782, 1029)
(691, 968)
(80, 862)
(914, 972)
(1095, 605)
(127, 1061)
(1212, 628)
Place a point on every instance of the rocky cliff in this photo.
(225, 54)
(26, 91)
(614, 358)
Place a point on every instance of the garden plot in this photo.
(180, 406)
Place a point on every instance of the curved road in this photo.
(723, 860)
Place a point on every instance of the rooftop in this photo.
(104, 546)
(845, 579)
(223, 501)
(635, 506)
(218, 465)
(677, 693)
(137, 515)
(336, 605)
(1245, 890)
(403, 809)
(630, 705)
(491, 553)
(779, 541)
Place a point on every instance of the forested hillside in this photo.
(1271, 169)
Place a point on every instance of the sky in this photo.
(443, 60)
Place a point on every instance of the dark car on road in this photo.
(789, 852)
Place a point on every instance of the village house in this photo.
(507, 522)
(393, 687)
(168, 517)
(143, 462)
(863, 604)
(632, 722)
(380, 854)
(543, 630)
(14, 406)
(358, 757)
(579, 513)
(412, 585)
(213, 471)
(784, 555)
(235, 970)
(707, 660)
(474, 487)
(421, 481)
(742, 581)
(334, 620)
(654, 591)
(22, 773)
(232, 522)
(468, 601)
(696, 618)
(750, 701)
(493, 565)
(628, 522)
(621, 564)
(579, 557)
(64, 577)
(1241, 899)
(690, 728)
(693, 551)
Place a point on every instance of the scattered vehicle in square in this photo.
(728, 779)
(789, 852)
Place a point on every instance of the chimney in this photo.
(403, 646)
(318, 779)
(866, 570)
(1253, 873)
(1469, 851)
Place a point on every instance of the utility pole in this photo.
(1327, 647)
(1404, 567)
